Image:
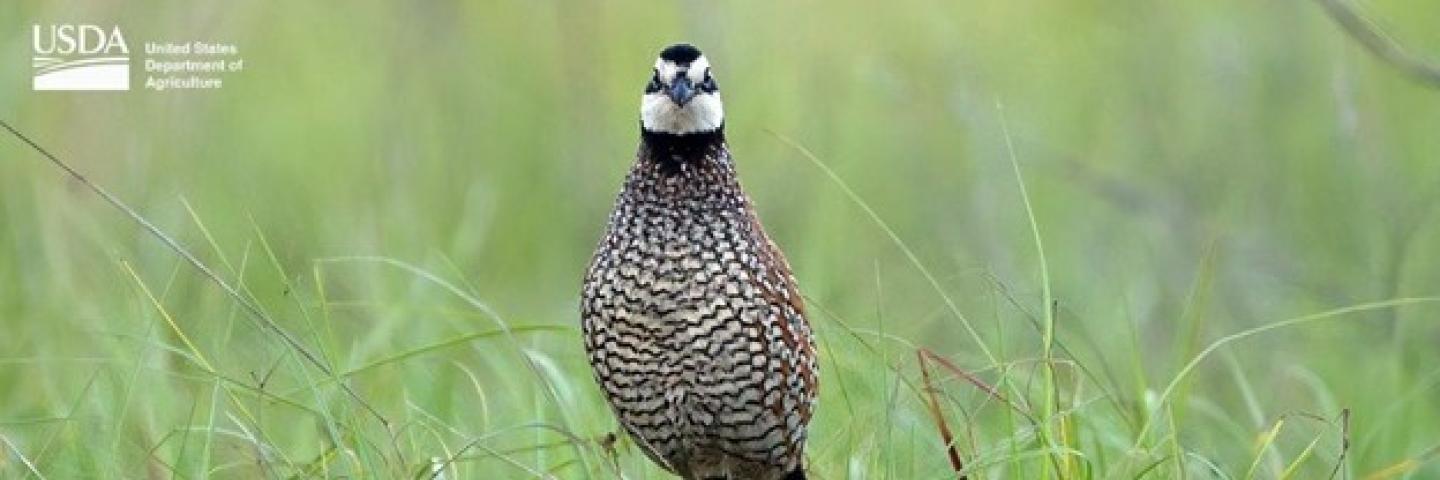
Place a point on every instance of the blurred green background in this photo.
(1197, 168)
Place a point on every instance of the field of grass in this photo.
(1194, 239)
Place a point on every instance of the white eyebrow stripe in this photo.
(666, 69)
(698, 69)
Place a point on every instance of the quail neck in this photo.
(693, 324)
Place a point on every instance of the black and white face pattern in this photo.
(682, 97)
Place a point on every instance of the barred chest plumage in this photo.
(693, 324)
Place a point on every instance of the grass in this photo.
(1195, 242)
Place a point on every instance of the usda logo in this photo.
(80, 57)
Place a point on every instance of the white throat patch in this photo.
(704, 113)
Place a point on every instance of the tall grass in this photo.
(1196, 242)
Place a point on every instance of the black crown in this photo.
(680, 53)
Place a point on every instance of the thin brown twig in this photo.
(972, 379)
(934, 404)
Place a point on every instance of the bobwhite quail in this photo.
(692, 320)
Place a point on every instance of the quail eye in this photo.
(709, 83)
(654, 84)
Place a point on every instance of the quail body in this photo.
(692, 321)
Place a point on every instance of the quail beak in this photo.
(681, 92)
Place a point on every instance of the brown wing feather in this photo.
(778, 274)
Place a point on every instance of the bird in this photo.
(692, 320)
